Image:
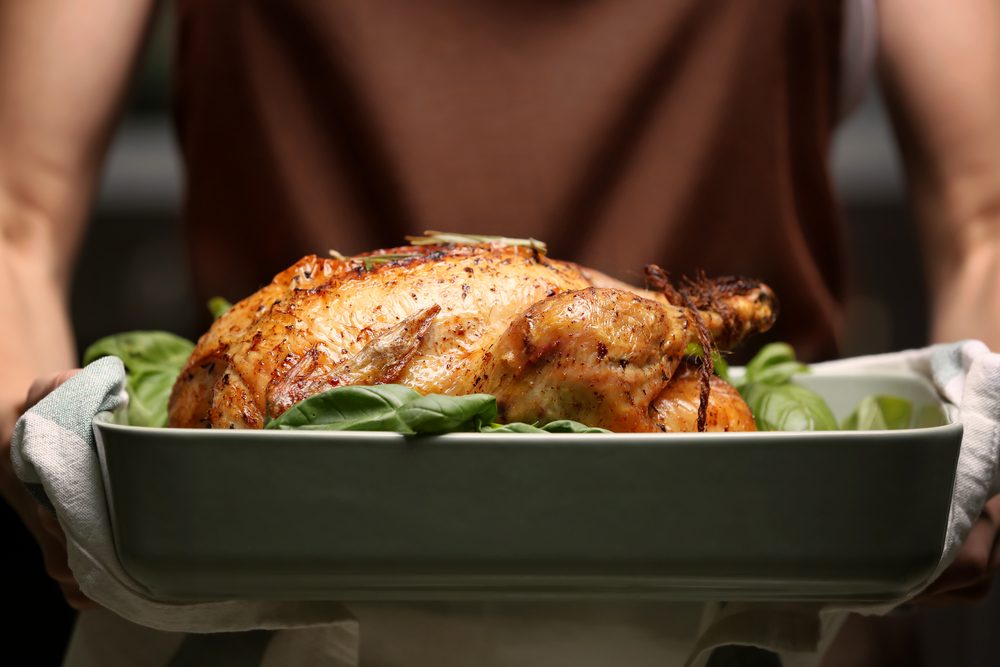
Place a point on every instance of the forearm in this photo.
(63, 70)
(959, 214)
(965, 295)
(941, 62)
(941, 69)
(35, 337)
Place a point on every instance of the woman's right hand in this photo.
(39, 520)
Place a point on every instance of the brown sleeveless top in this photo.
(689, 133)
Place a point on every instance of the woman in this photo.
(693, 134)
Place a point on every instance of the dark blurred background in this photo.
(133, 274)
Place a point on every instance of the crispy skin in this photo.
(676, 409)
(599, 354)
(455, 320)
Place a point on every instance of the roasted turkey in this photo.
(550, 339)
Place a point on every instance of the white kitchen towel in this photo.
(54, 453)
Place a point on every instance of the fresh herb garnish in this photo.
(878, 413)
(558, 426)
(372, 260)
(448, 238)
(787, 407)
(153, 360)
(218, 306)
(391, 407)
(776, 402)
(719, 365)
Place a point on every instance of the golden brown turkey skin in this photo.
(452, 320)
(676, 408)
(323, 312)
(600, 354)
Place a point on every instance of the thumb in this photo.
(45, 385)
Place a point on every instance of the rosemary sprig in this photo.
(372, 260)
(448, 238)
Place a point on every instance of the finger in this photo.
(991, 515)
(76, 599)
(44, 386)
(55, 561)
(53, 543)
(992, 507)
(48, 521)
(970, 577)
(972, 594)
(54, 556)
(973, 560)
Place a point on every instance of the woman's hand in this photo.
(39, 520)
(969, 577)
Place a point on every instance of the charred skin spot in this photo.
(602, 351)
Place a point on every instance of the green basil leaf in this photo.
(437, 413)
(696, 351)
(397, 408)
(779, 373)
(570, 426)
(788, 407)
(351, 408)
(880, 413)
(152, 361)
(140, 350)
(218, 306)
(148, 397)
(721, 367)
(769, 355)
(558, 426)
(930, 416)
(513, 427)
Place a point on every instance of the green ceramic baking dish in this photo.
(849, 516)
